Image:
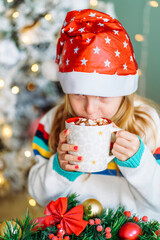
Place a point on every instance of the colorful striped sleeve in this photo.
(40, 143)
(157, 155)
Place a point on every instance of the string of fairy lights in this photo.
(25, 38)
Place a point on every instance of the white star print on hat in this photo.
(84, 61)
(96, 50)
(107, 63)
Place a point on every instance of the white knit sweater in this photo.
(138, 189)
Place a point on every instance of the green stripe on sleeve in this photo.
(41, 143)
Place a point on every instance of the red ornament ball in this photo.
(67, 238)
(59, 226)
(99, 228)
(130, 231)
(144, 218)
(108, 229)
(108, 235)
(51, 236)
(97, 221)
(61, 233)
(136, 219)
(128, 214)
(157, 232)
(91, 222)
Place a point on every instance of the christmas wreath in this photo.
(66, 219)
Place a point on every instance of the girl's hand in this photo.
(126, 145)
(65, 159)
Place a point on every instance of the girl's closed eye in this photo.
(104, 99)
(79, 95)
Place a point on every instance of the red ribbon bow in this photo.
(71, 221)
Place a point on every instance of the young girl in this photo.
(98, 73)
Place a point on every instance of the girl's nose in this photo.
(91, 107)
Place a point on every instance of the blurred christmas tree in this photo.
(28, 84)
(29, 32)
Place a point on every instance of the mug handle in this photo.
(113, 129)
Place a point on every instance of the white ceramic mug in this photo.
(93, 142)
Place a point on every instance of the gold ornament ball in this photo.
(3, 228)
(95, 205)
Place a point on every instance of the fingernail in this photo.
(79, 158)
(66, 131)
(76, 167)
(75, 147)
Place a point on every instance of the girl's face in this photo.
(94, 107)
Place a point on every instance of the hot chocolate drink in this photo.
(90, 122)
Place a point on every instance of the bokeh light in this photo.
(15, 90)
(32, 202)
(139, 37)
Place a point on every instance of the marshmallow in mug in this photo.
(90, 122)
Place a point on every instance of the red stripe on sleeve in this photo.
(41, 128)
(157, 151)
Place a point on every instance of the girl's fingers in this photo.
(123, 142)
(125, 134)
(122, 153)
(120, 156)
(71, 158)
(128, 145)
(63, 135)
(68, 147)
(68, 167)
(64, 158)
(120, 149)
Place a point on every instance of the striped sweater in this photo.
(135, 185)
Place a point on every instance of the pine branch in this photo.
(72, 201)
(27, 226)
(111, 218)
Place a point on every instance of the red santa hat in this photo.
(95, 56)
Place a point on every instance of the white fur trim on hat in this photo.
(98, 84)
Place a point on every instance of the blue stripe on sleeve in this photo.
(110, 172)
(157, 156)
(36, 152)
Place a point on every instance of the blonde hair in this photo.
(134, 119)
(63, 112)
